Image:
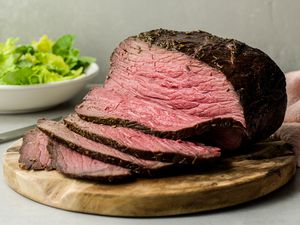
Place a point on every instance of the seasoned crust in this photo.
(256, 78)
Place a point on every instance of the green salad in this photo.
(41, 61)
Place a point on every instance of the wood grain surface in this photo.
(234, 180)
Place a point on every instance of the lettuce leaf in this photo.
(43, 45)
(17, 77)
(64, 45)
(7, 56)
(41, 61)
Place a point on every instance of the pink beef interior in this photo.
(33, 153)
(172, 80)
(104, 103)
(166, 91)
(140, 142)
(71, 162)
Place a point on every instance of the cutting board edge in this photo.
(287, 170)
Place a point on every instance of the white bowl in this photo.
(30, 98)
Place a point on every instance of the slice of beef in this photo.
(196, 74)
(39, 152)
(59, 132)
(113, 108)
(74, 164)
(33, 152)
(142, 145)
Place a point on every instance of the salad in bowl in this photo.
(41, 74)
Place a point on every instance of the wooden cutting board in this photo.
(234, 180)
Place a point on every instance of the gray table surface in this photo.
(279, 207)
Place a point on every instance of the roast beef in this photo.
(39, 152)
(74, 164)
(184, 84)
(113, 108)
(33, 152)
(142, 145)
(59, 132)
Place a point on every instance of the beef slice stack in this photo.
(171, 99)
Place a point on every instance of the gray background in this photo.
(271, 25)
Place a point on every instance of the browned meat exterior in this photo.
(255, 77)
(60, 133)
(184, 84)
(143, 145)
(74, 164)
(33, 152)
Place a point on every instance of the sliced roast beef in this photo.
(74, 164)
(59, 132)
(33, 152)
(142, 145)
(193, 74)
(113, 108)
(164, 90)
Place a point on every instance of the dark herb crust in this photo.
(196, 130)
(256, 78)
(134, 168)
(139, 153)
